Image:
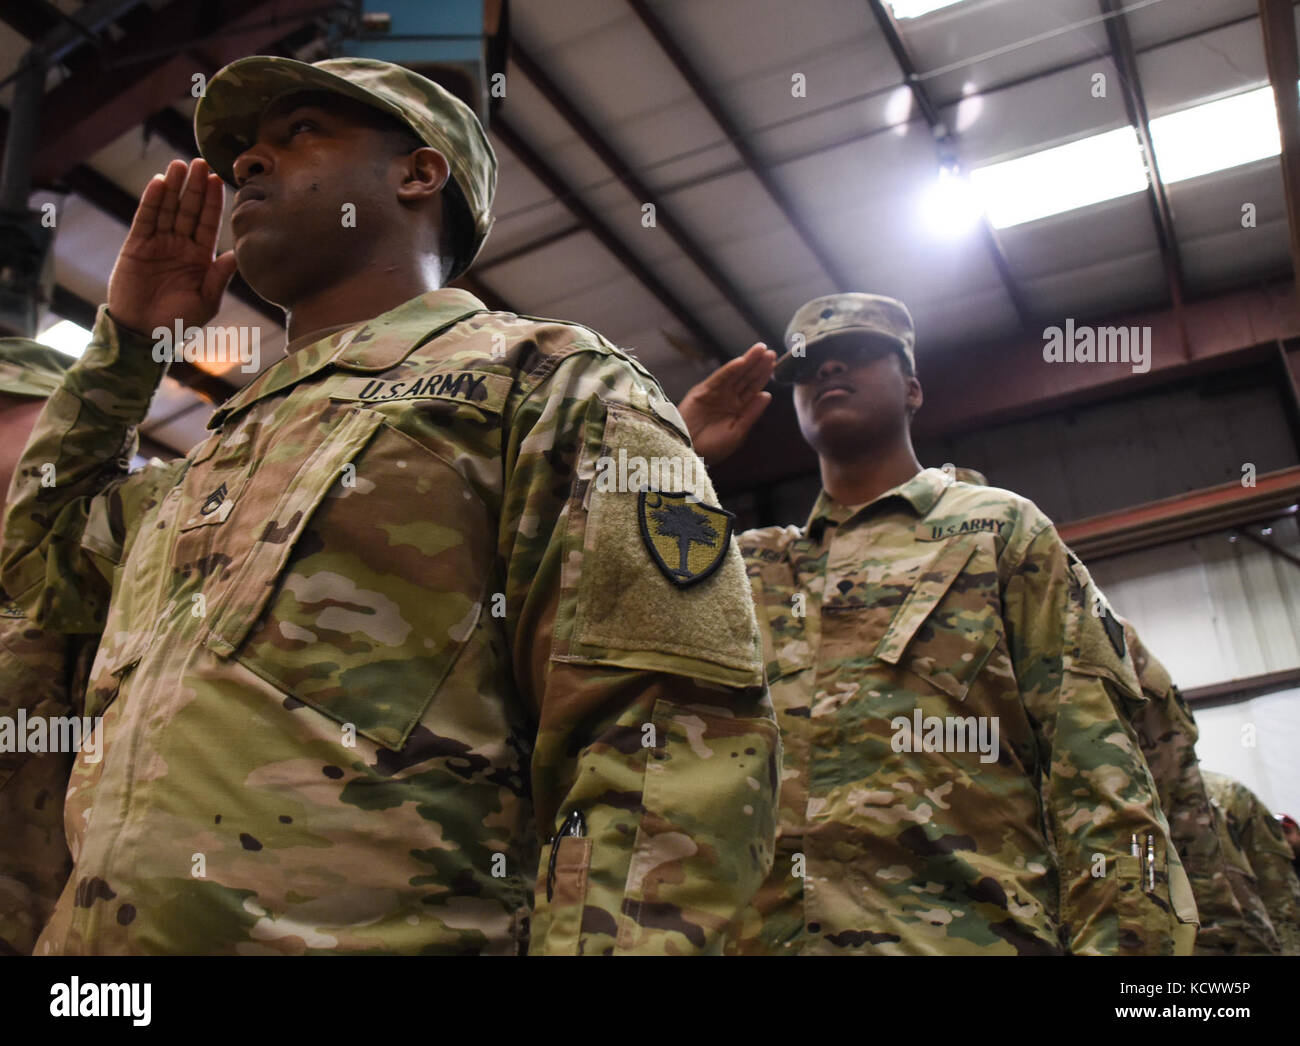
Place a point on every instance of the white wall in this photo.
(1213, 611)
(1256, 742)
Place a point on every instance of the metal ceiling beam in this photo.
(97, 105)
(565, 194)
(1278, 24)
(1121, 51)
(1271, 546)
(732, 131)
(987, 92)
(885, 22)
(664, 217)
(471, 282)
(536, 244)
(973, 387)
(30, 19)
(1229, 505)
(1235, 690)
(995, 383)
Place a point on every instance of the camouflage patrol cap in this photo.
(836, 315)
(28, 368)
(225, 121)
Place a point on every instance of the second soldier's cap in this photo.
(226, 119)
(28, 368)
(837, 316)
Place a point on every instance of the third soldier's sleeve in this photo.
(654, 727)
(73, 506)
(1099, 800)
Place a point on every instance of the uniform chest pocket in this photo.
(948, 626)
(212, 484)
(366, 582)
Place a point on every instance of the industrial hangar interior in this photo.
(682, 175)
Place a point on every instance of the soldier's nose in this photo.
(829, 368)
(248, 164)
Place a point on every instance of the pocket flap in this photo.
(245, 599)
(930, 588)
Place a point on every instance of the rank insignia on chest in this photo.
(213, 501)
(686, 540)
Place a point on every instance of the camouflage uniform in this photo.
(382, 635)
(1267, 855)
(942, 599)
(41, 674)
(1256, 927)
(1167, 731)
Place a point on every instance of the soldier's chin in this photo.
(839, 433)
(260, 260)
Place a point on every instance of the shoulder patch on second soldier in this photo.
(1114, 631)
(686, 538)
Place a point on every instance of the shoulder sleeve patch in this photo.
(687, 539)
(658, 578)
(1095, 643)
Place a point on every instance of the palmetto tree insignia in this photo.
(686, 527)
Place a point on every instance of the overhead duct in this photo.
(459, 44)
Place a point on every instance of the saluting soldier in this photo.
(383, 670)
(952, 688)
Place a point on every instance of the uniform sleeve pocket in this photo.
(353, 601)
(572, 866)
(685, 848)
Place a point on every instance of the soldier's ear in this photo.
(424, 173)
(915, 396)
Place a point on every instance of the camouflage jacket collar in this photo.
(922, 492)
(377, 345)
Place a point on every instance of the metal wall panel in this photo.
(1098, 458)
(1211, 609)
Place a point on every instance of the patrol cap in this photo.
(836, 315)
(28, 368)
(225, 121)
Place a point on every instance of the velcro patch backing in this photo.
(628, 611)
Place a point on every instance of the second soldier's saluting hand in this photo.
(721, 409)
(166, 270)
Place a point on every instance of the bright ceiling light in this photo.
(949, 207)
(66, 337)
(1216, 135)
(1103, 167)
(917, 8)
